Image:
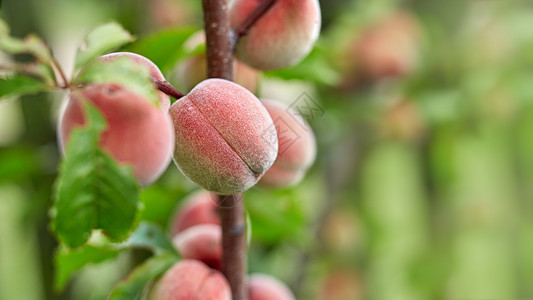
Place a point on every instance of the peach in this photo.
(225, 139)
(388, 48)
(193, 69)
(201, 242)
(164, 101)
(138, 133)
(198, 208)
(191, 279)
(266, 287)
(282, 37)
(297, 147)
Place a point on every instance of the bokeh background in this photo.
(423, 184)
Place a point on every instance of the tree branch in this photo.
(231, 209)
(219, 37)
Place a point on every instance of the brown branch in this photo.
(219, 37)
(242, 30)
(231, 211)
(57, 67)
(167, 88)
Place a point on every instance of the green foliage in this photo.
(4, 29)
(275, 215)
(17, 163)
(32, 44)
(164, 48)
(21, 85)
(41, 68)
(68, 261)
(122, 71)
(152, 237)
(133, 287)
(102, 40)
(93, 191)
(313, 68)
(147, 236)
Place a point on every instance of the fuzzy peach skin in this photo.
(201, 242)
(164, 100)
(297, 146)
(138, 132)
(282, 37)
(198, 208)
(266, 287)
(225, 138)
(190, 279)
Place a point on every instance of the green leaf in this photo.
(18, 163)
(313, 68)
(151, 236)
(133, 287)
(93, 191)
(68, 262)
(276, 215)
(102, 40)
(122, 71)
(164, 48)
(4, 29)
(32, 44)
(19, 85)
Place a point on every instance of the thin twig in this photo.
(59, 70)
(167, 88)
(242, 30)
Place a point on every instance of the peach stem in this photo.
(256, 14)
(167, 88)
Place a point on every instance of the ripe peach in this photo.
(225, 138)
(198, 208)
(388, 48)
(201, 242)
(266, 287)
(164, 101)
(138, 133)
(282, 37)
(191, 279)
(193, 70)
(297, 146)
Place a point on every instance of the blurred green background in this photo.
(423, 184)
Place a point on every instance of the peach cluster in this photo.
(196, 232)
(195, 229)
